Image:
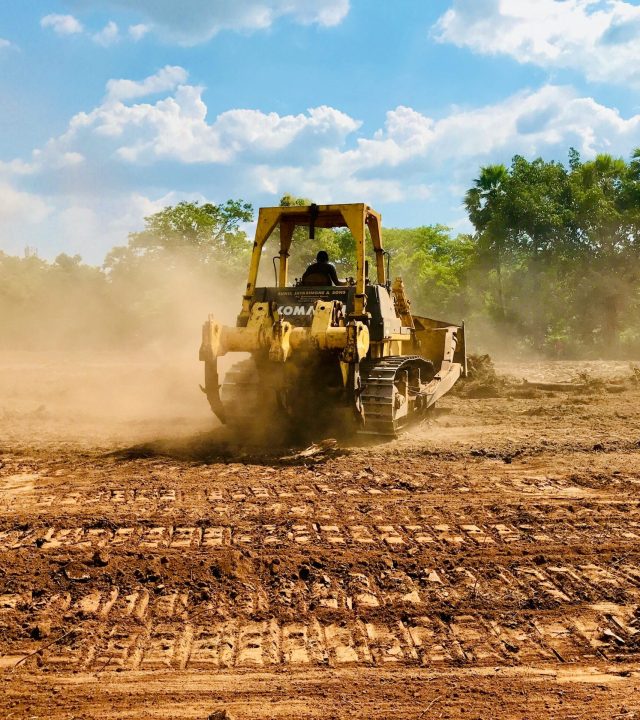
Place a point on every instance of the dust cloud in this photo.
(111, 361)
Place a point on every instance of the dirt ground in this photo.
(484, 565)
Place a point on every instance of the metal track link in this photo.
(379, 395)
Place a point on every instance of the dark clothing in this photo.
(318, 270)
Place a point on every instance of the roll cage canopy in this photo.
(358, 217)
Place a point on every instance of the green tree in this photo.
(485, 206)
(537, 207)
(187, 259)
(204, 233)
(434, 266)
(606, 209)
(563, 245)
(539, 226)
(63, 304)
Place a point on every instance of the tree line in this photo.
(559, 248)
(550, 266)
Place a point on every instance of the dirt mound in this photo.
(482, 380)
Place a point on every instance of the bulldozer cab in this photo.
(296, 303)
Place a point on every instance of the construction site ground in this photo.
(484, 565)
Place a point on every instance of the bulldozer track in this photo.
(379, 395)
(135, 631)
(428, 608)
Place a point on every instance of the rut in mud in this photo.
(487, 562)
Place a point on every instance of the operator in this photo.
(322, 272)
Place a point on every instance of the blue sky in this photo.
(112, 109)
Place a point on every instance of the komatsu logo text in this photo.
(289, 310)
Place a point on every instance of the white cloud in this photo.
(137, 32)
(127, 148)
(176, 128)
(194, 21)
(109, 35)
(19, 207)
(544, 122)
(16, 167)
(168, 78)
(600, 38)
(5, 43)
(335, 184)
(62, 24)
(68, 159)
(74, 224)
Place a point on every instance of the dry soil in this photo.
(484, 565)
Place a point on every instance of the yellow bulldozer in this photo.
(319, 352)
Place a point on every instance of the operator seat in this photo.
(317, 278)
